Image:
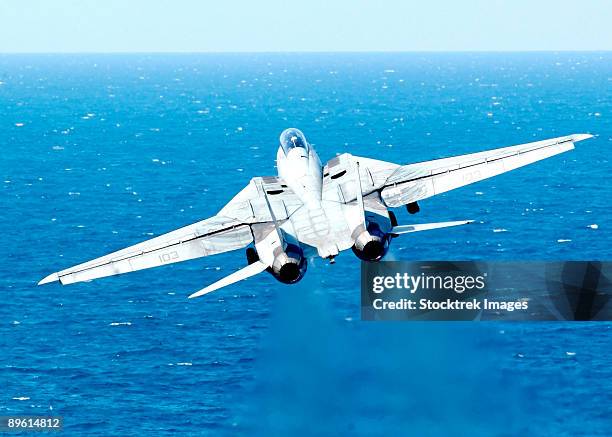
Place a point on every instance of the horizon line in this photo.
(237, 52)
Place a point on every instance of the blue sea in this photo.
(103, 151)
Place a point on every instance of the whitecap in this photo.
(21, 398)
(500, 230)
(563, 240)
(19, 124)
(570, 354)
(120, 324)
(184, 364)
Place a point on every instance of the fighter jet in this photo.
(312, 209)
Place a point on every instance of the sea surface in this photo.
(103, 151)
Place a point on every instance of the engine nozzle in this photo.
(371, 244)
(290, 265)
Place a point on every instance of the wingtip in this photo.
(51, 278)
(580, 137)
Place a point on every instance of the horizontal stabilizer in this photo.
(244, 273)
(406, 229)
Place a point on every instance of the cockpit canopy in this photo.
(291, 138)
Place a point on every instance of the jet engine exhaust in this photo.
(289, 266)
(371, 244)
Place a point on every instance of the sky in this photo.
(307, 25)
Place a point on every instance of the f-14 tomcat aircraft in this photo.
(310, 207)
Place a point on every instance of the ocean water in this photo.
(102, 151)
